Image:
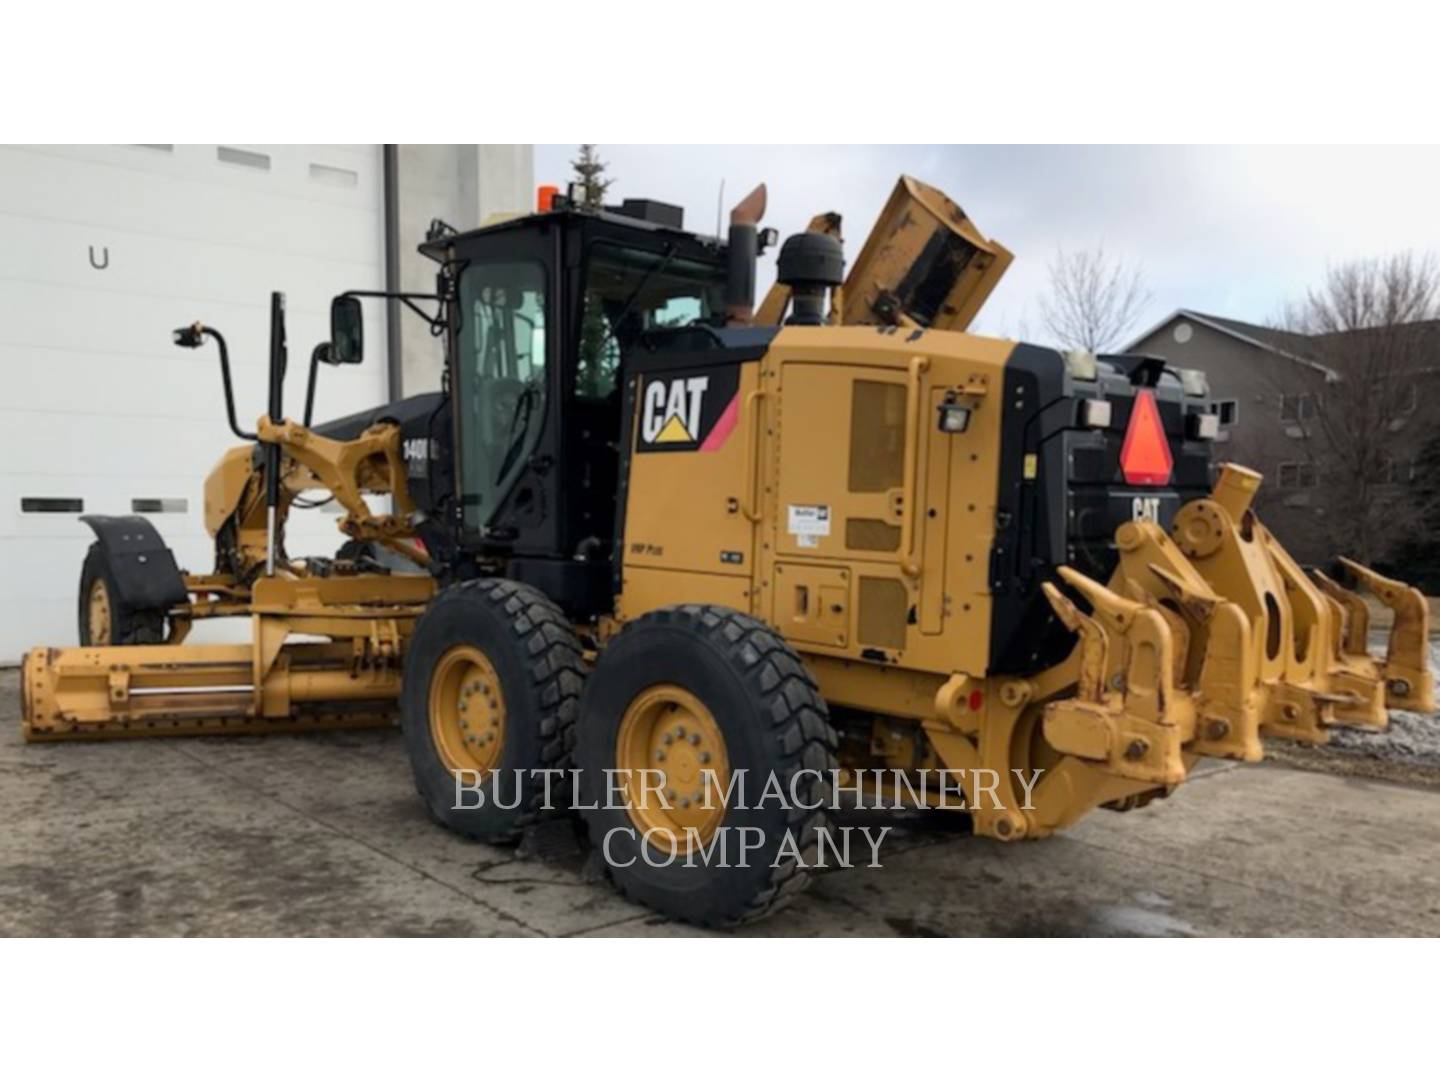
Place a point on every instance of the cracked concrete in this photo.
(323, 835)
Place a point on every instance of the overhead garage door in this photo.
(103, 252)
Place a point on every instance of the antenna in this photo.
(719, 208)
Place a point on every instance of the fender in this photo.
(143, 568)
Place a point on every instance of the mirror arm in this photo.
(408, 299)
(316, 356)
(229, 386)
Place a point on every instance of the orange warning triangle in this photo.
(674, 431)
(1145, 455)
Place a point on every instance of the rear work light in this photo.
(1145, 455)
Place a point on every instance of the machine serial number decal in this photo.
(417, 453)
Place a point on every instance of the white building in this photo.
(104, 250)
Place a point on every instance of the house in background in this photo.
(1266, 391)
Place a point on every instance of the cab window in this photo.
(501, 379)
(629, 291)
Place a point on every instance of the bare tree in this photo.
(1094, 300)
(1359, 394)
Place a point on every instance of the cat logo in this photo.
(1145, 508)
(673, 410)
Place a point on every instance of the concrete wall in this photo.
(463, 184)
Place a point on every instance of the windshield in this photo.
(501, 383)
(628, 292)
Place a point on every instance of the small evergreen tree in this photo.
(590, 172)
(596, 374)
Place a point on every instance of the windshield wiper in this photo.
(619, 320)
(518, 427)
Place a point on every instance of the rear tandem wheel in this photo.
(492, 684)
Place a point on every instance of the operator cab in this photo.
(546, 309)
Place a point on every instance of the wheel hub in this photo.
(674, 769)
(467, 711)
(99, 612)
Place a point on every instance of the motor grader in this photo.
(662, 538)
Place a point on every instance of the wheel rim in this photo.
(669, 731)
(99, 612)
(467, 710)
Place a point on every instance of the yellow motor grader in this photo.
(663, 540)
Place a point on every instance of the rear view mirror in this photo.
(347, 331)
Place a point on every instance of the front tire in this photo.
(103, 616)
(681, 691)
(492, 683)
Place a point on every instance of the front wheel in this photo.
(104, 617)
(691, 714)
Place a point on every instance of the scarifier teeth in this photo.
(1103, 600)
(1067, 612)
(1385, 589)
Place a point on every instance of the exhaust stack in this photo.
(744, 250)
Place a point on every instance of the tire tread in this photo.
(800, 732)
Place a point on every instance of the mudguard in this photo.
(143, 568)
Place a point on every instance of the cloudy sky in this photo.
(1229, 230)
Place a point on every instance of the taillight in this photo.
(1145, 455)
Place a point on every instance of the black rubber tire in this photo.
(773, 718)
(128, 626)
(541, 670)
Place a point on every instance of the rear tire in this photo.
(492, 684)
(705, 687)
(104, 618)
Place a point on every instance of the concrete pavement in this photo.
(323, 835)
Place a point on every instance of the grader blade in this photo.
(274, 684)
(126, 691)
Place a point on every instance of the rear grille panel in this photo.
(1068, 513)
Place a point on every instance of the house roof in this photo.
(1280, 342)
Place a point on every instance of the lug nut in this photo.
(1136, 750)
(667, 738)
(659, 755)
(679, 731)
(684, 802)
(704, 757)
(694, 740)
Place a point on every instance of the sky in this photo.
(1232, 231)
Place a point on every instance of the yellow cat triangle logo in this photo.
(674, 431)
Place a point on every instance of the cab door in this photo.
(503, 379)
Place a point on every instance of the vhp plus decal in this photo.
(694, 409)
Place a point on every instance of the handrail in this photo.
(908, 494)
(751, 414)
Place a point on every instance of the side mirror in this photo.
(347, 331)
